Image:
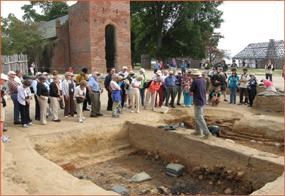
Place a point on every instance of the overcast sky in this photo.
(244, 21)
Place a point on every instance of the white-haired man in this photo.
(95, 91)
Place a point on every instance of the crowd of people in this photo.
(127, 91)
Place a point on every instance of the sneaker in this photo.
(25, 126)
(132, 111)
(137, 111)
(81, 121)
(56, 120)
(115, 116)
(99, 114)
(206, 136)
(66, 116)
(83, 118)
(30, 124)
(17, 123)
(195, 133)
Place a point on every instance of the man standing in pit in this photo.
(198, 87)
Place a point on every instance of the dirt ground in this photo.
(27, 172)
(121, 169)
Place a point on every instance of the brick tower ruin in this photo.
(95, 34)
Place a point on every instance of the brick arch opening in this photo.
(110, 46)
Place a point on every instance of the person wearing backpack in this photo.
(233, 82)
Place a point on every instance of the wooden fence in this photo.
(15, 62)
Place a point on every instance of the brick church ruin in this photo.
(94, 34)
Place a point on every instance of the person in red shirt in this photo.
(152, 91)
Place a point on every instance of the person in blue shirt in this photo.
(233, 82)
(171, 90)
(95, 91)
(183, 67)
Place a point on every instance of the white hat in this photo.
(158, 73)
(45, 73)
(38, 73)
(125, 67)
(4, 76)
(142, 70)
(11, 73)
(196, 72)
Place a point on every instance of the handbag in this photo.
(79, 99)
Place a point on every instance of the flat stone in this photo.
(162, 190)
(228, 191)
(229, 140)
(140, 177)
(174, 169)
(120, 189)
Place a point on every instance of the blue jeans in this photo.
(233, 95)
(201, 126)
(16, 107)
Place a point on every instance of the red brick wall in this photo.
(61, 59)
(79, 32)
(116, 13)
(82, 41)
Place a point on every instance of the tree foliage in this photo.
(169, 29)
(18, 36)
(50, 10)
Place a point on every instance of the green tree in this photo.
(50, 10)
(169, 29)
(18, 36)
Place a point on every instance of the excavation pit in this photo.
(111, 155)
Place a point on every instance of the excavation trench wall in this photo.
(259, 168)
(82, 147)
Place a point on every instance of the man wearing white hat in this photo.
(198, 87)
(124, 72)
(13, 91)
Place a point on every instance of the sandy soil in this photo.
(27, 172)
